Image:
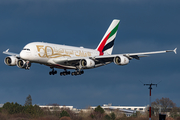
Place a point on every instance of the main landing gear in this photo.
(53, 72)
(77, 73)
(72, 73)
(65, 72)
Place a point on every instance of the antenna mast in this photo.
(150, 87)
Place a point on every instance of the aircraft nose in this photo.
(26, 55)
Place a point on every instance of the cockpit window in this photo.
(26, 49)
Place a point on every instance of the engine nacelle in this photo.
(23, 64)
(87, 63)
(121, 60)
(10, 60)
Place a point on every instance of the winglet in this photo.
(7, 50)
(175, 50)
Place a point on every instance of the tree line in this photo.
(15, 111)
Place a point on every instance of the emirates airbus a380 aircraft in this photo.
(77, 58)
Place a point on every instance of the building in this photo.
(1, 105)
(55, 108)
(127, 110)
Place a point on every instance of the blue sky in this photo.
(145, 26)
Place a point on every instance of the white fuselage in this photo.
(40, 52)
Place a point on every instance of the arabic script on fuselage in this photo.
(52, 52)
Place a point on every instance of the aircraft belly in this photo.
(40, 60)
(60, 66)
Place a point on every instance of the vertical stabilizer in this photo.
(107, 43)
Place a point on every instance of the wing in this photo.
(144, 54)
(132, 55)
(10, 53)
(74, 62)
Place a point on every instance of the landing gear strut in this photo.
(53, 72)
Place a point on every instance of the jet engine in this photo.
(23, 64)
(121, 60)
(10, 60)
(87, 63)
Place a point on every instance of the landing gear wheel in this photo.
(61, 73)
(82, 72)
(50, 73)
(53, 72)
(77, 73)
(65, 73)
(72, 73)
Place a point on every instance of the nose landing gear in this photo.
(27, 65)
